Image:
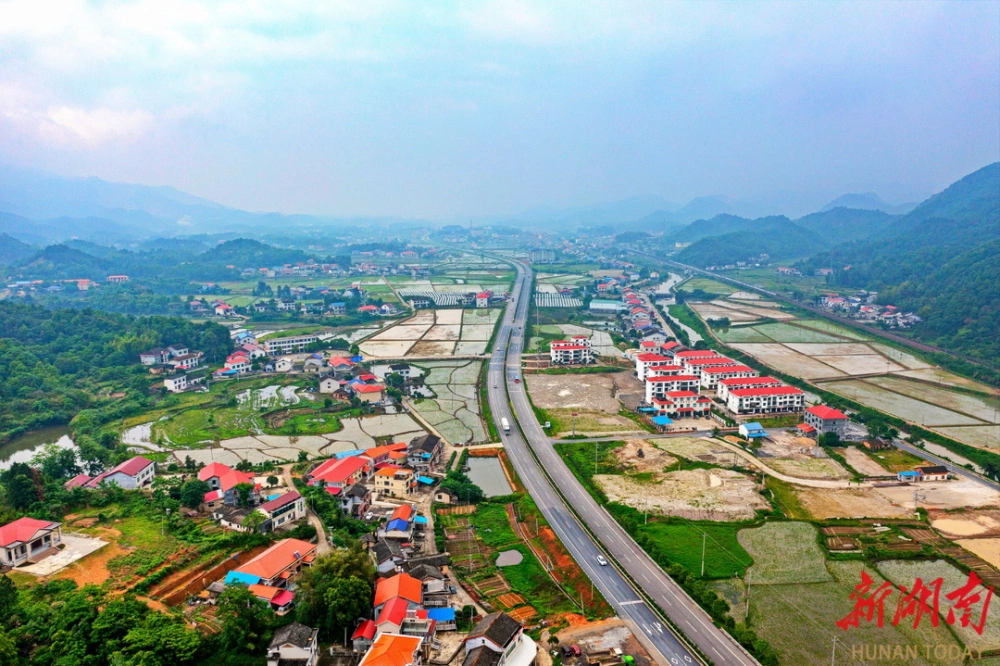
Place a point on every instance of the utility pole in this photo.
(704, 536)
(747, 617)
(833, 653)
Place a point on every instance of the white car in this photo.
(600, 560)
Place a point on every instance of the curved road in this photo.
(687, 616)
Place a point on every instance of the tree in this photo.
(346, 600)
(244, 466)
(303, 456)
(244, 491)
(189, 463)
(193, 493)
(161, 640)
(56, 462)
(272, 480)
(336, 589)
(394, 379)
(8, 599)
(829, 439)
(246, 621)
(20, 483)
(462, 485)
(253, 521)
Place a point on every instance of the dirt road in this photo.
(323, 545)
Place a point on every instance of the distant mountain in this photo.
(61, 261)
(719, 225)
(778, 237)
(839, 225)
(868, 201)
(608, 213)
(13, 250)
(246, 253)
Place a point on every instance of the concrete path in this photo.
(323, 545)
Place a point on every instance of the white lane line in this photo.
(633, 602)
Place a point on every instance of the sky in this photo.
(450, 109)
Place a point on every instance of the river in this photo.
(24, 448)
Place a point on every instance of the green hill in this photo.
(13, 250)
(779, 238)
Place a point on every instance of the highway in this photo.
(615, 543)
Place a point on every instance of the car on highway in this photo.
(600, 560)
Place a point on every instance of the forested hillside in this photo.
(940, 261)
(779, 238)
(54, 363)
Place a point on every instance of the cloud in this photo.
(95, 126)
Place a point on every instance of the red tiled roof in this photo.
(277, 558)
(368, 388)
(212, 495)
(391, 650)
(78, 480)
(394, 611)
(568, 347)
(647, 358)
(365, 630)
(670, 345)
(341, 470)
(279, 502)
(805, 427)
(748, 381)
(400, 585)
(682, 394)
(673, 378)
(404, 511)
(697, 353)
(722, 369)
(767, 390)
(715, 360)
(132, 466)
(482, 294)
(23, 529)
(826, 413)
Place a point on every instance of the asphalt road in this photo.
(664, 645)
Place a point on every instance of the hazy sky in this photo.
(464, 108)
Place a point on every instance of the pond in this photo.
(24, 448)
(487, 473)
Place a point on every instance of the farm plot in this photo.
(481, 316)
(697, 494)
(402, 332)
(862, 462)
(785, 552)
(974, 406)
(789, 361)
(944, 495)
(809, 468)
(433, 333)
(906, 572)
(681, 542)
(988, 549)
(741, 334)
(477, 332)
(706, 284)
(985, 437)
(798, 621)
(939, 376)
(843, 348)
(455, 412)
(908, 361)
(905, 407)
(867, 364)
(753, 309)
(443, 332)
(715, 311)
(784, 332)
(696, 448)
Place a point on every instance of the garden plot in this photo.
(844, 348)
(461, 288)
(983, 437)
(870, 364)
(974, 406)
(854, 503)
(784, 332)
(589, 421)
(697, 494)
(784, 552)
(455, 412)
(432, 348)
(589, 392)
(388, 425)
(714, 311)
(481, 316)
(809, 468)
(787, 360)
(470, 348)
(385, 348)
(906, 572)
(424, 317)
(905, 407)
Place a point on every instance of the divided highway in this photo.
(664, 645)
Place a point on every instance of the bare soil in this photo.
(824, 503)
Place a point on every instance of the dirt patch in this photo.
(698, 448)
(432, 348)
(592, 422)
(590, 392)
(988, 549)
(967, 523)
(809, 468)
(824, 503)
(93, 569)
(944, 495)
(698, 494)
(640, 456)
(862, 462)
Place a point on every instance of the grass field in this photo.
(784, 552)
(894, 460)
(682, 542)
(709, 285)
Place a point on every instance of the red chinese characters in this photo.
(970, 603)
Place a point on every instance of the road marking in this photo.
(633, 602)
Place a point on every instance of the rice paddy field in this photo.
(434, 333)
(455, 411)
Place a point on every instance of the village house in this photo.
(499, 640)
(394, 650)
(387, 554)
(767, 400)
(682, 404)
(403, 586)
(658, 387)
(276, 565)
(336, 474)
(483, 299)
(923, 474)
(180, 383)
(424, 452)
(294, 644)
(156, 356)
(710, 375)
(224, 482)
(355, 500)
(284, 364)
(820, 419)
(723, 386)
(644, 361)
(370, 393)
(394, 481)
(134, 473)
(289, 345)
(283, 510)
(443, 496)
(26, 538)
(575, 351)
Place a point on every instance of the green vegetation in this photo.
(681, 541)
(57, 365)
(785, 500)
